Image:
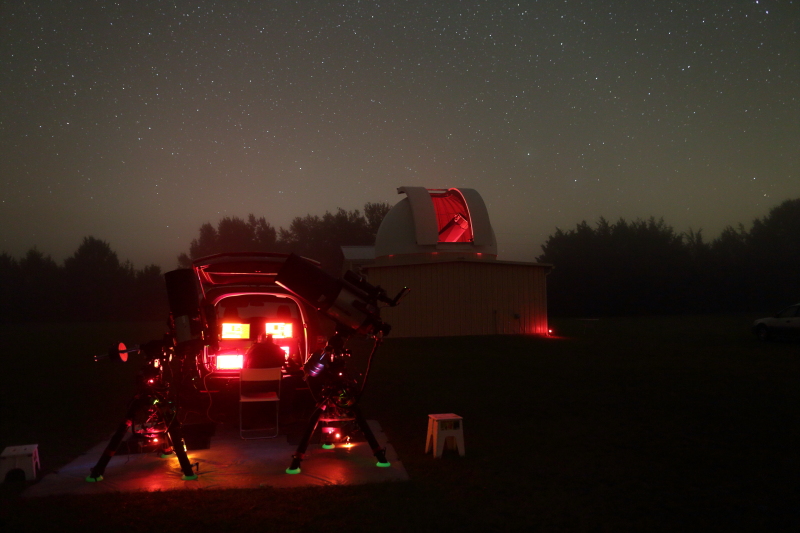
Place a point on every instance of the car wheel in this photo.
(762, 333)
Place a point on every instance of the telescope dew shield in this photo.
(326, 294)
(352, 311)
(184, 304)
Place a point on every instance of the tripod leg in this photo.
(294, 468)
(100, 468)
(380, 453)
(176, 437)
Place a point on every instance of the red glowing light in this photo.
(123, 355)
(230, 362)
(279, 330)
(232, 330)
(452, 215)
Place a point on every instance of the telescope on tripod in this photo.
(353, 304)
(152, 413)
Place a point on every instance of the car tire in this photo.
(762, 333)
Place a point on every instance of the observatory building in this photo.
(440, 243)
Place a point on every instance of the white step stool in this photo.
(25, 458)
(443, 428)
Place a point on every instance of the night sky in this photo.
(136, 122)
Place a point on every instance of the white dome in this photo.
(436, 224)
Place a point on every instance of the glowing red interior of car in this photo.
(279, 330)
(230, 362)
(232, 330)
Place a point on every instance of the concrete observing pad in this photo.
(228, 462)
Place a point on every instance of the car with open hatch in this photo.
(785, 324)
(245, 304)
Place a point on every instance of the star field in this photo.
(137, 122)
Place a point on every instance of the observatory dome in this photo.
(435, 225)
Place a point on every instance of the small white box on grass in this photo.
(25, 458)
(443, 429)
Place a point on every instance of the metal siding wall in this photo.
(465, 298)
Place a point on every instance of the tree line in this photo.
(622, 268)
(645, 267)
(93, 284)
(314, 236)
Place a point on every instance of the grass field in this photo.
(640, 424)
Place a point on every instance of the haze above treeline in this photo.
(611, 268)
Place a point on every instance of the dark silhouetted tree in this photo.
(634, 267)
(375, 212)
(773, 256)
(91, 285)
(149, 299)
(645, 267)
(40, 288)
(321, 238)
(99, 287)
(10, 288)
(96, 281)
(728, 274)
(232, 234)
(314, 236)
